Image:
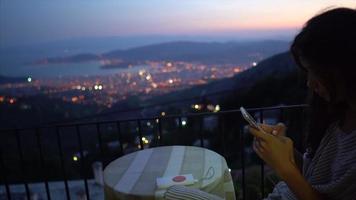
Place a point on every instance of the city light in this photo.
(157, 78)
(75, 158)
(210, 107)
(141, 72)
(2, 99)
(254, 64)
(12, 101)
(148, 77)
(163, 113)
(74, 99)
(217, 108)
(145, 140)
(237, 70)
(184, 122)
(169, 64)
(148, 123)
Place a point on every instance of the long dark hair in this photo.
(328, 42)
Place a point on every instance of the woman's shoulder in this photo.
(335, 131)
(333, 127)
(330, 134)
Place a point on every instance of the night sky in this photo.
(36, 21)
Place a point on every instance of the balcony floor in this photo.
(57, 190)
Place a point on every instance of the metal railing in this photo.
(158, 132)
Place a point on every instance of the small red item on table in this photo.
(179, 178)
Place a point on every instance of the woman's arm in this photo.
(298, 185)
(298, 157)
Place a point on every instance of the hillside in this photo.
(5, 79)
(277, 66)
(201, 52)
(273, 81)
(230, 52)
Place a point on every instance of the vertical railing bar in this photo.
(302, 131)
(281, 114)
(3, 170)
(118, 126)
(82, 161)
(43, 165)
(180, 123)
(160, 131)
(61, 156)
(262, 165)
(100, 141)
(19, 147)
(140, 133)
(242, 149)
(156, 133)
(201, 135)
(221, 131)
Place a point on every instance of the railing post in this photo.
(22, 163)
(100, 141)
(281, 114)
(82, 161)
(180, 123)
(201, 136)
(262, 165)
(43, 166)
(221, 131)
(3, 172)
(61, 157)
(302, 132)
(160, 131)
(119, 136)
(242, 149)
(140, 133)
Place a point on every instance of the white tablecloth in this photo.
(133, 176)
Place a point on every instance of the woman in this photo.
(326, 50)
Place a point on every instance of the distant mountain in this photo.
(202, 52)
(5, 79)
(70, 59)
(231, 52)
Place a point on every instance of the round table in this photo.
(133, 176)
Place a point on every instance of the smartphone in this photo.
(250, 119)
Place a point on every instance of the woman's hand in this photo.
(274, 148)
(278, 152)
(277, 130)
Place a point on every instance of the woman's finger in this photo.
(258, 145)
(281, 128)
(258, 134)
(267, 128)
(258, 151)
(262, 144)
